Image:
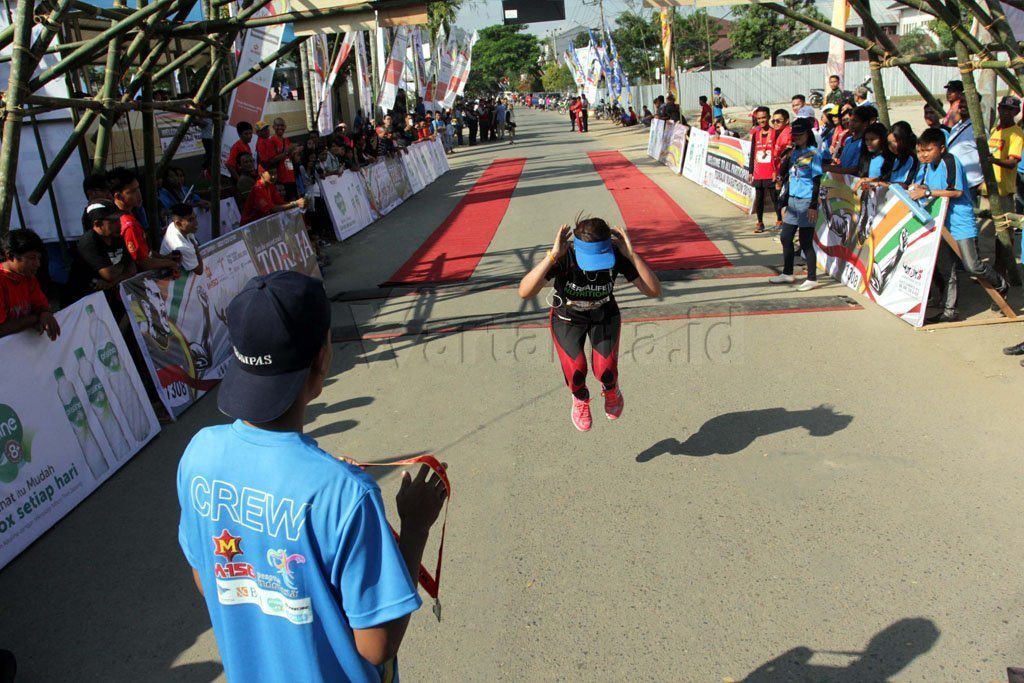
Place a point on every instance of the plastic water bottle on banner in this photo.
(76, 416)
(101, 406)
(127, 394)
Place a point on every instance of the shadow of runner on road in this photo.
(732, 432)
(889, 651)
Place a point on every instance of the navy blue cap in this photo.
(593, 256)
(277, 324)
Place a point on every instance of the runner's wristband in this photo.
(551, 256)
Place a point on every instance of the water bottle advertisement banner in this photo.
(72, 411)
(180, 323)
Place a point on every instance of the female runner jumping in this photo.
(583, 305)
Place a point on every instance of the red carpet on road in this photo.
(453, 251)
(661, 231)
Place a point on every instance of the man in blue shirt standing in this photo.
(289, 546)
(942, 175)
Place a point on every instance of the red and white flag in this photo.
(393, 72)
(421, 67)
(363, 76)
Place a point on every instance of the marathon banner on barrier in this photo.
(881, 244)
(725, 171)
(73, 411)
(347, 203)
(181, 324)
(675, 150)
(696, 154)
(655, 139)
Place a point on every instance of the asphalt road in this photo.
(815, 496)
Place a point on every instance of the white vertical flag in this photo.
(393, 72)
(363, 82)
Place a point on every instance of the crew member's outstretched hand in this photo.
(420, 498)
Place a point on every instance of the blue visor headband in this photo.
(593, 256)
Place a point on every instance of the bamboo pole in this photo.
(1004, 238)
(204, 87)
(99, 155)
(304, 67)
(83, 54)
(261, 65)
(179, 61)
(239, 22)
(21, 68)
(877, 34)
(218, 138)
(149, 160)
(51, 103)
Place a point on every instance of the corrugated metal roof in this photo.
(815, 43)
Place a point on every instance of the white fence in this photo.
(775, 84)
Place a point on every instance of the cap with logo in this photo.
(957, 85)
(593, 256)
(832, 109)
(102, 210)
(802, 125)
(1010, 102)
(260, 125)
(277, 324)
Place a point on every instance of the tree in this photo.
(760, 32)
(638, 40)
(582, 39)
(442, 14)
(917, 42)
(503, 52)
(557, 78)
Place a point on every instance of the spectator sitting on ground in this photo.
(124, 185)
(22, 302)
(265, 199)
(180, 238)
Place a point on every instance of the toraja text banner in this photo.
(72, 412)
(725, 170)
(876, 243)
(180, 324)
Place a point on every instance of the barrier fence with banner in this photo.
(181, 324)
(717, 162)
(73, 411)
(881, 244)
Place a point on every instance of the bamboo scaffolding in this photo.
(21, 68)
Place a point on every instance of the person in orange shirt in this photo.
(264, 199)
(285, 166)
(22, 302)
(269, 151)
(241, 146)
(124, 185)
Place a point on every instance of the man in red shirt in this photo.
(241, 146)
(706, 114)
(264, 199)
(128, 197)
(22, 302)
(763, 166)
(276, 150)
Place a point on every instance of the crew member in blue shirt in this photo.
(942, 175)
(289, 546)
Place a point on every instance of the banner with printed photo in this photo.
(438, 158)
(347, 203)
(180, 324)
(72, 412)
(413, 161)
(379, 188)
(398, 178)
(696, 153)
(655, 138)
(883, 245)
(725, 170)
(675, 152)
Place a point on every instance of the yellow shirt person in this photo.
(1006, 145)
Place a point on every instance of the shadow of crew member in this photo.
(888, 652)
(733, 432)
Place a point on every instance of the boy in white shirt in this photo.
(180, 238)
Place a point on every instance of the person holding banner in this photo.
(103, 260)
(22, 302)
(583, 305)
(802, 171)
(942, 175)
(303, 579)
(180, 238)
